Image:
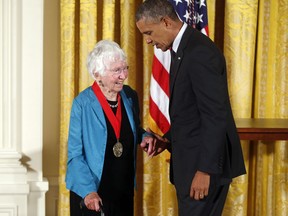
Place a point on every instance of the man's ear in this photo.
(167, 21)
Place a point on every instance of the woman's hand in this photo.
(155, 144)
(93, 201)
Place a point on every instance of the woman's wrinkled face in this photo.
(116, 72)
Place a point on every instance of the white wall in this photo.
(22, 186)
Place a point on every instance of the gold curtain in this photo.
(256, 49)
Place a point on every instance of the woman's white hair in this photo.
(104, 52)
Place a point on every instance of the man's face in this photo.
(155, 33)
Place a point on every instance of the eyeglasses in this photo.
(118, 71)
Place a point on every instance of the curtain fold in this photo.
(256, 50)
(271, 101)
(68, 88)
(240, 26)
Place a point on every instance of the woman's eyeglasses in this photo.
(118, 71)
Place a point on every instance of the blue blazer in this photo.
(88, 136)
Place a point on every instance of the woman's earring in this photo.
(100, 83)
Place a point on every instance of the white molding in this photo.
(8, 210)
(11, 73)
(39, 186)
(14, 189)
(32, 87)
(22, 186)
(13, 205)
(10, 158)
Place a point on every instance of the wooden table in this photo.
(262, 129)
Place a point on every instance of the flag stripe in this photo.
(194, 13)
(205, 31)
(159, 97)
(160, 70)
(155, 113)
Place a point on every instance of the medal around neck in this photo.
(118, 149)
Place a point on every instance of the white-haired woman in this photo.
(103, 135)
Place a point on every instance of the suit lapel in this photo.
(129, 109)
(174, 71)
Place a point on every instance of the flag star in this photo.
(187, 15)
(201, 2)
(199, 17)
(188, 2)
(194, 19)
(177, 1)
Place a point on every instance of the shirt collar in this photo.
(177, 40)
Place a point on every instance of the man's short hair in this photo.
(155, 10)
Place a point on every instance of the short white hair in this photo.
(104, 52)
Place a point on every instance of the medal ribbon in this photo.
(114, 120)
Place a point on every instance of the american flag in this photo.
(194, 13)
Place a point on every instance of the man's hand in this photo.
(93, 201)
(155, 144)
(200, 185)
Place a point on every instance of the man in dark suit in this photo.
(205, 148)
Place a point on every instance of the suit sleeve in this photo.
(210, 87)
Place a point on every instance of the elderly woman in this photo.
(103, 135)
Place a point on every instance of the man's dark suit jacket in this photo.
(203, 132)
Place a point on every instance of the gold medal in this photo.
(118, 149)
